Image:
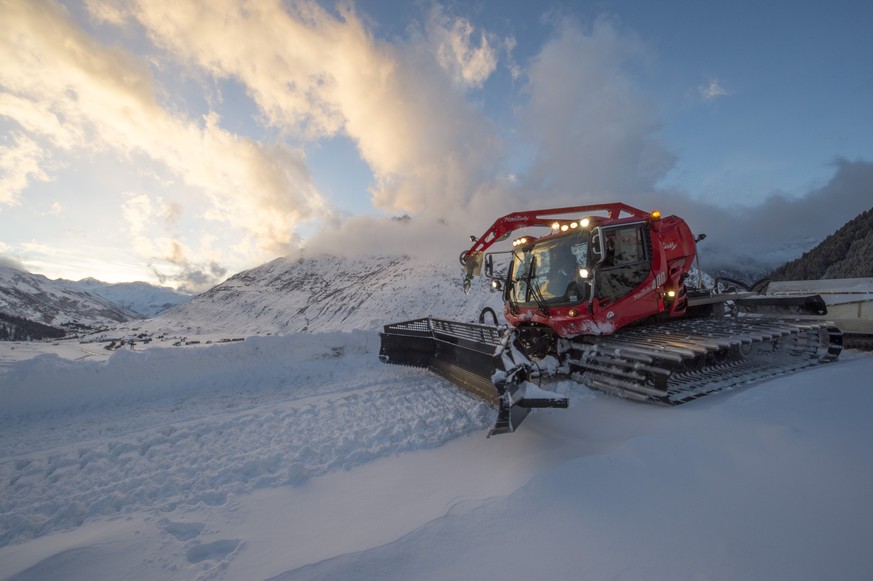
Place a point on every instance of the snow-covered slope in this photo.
(303, 457)
(327, 293)
(750, 267)
(142, 298)
(55, 302)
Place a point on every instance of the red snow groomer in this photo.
(600, 294)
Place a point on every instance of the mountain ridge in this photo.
(33, 304)
(847, 253)
(37, 298)
(327, 293)
(145, 299)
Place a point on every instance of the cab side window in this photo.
(626, 263)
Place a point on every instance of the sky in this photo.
(181, 142)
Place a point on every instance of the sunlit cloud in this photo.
(109, 263)
(108, 11)
(469, 55)
(311, 73)
(314, 74)
(592, 134)
(21, 162)
(100, 98)
(150, 231)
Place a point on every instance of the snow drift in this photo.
(303, 457)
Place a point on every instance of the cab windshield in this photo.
(552, 271)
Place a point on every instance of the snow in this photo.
(142, 298)
(302, 457)
(326, 293)
(836, 290)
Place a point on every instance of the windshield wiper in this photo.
(534, 287)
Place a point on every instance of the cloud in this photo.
(92, 97)
(594, 132)
(469, 55)
(712, 90)
(763, 236)
(107, 11)
(595, 138)
(314, 74)
(151, 231)
(21, 162)
(9, 261)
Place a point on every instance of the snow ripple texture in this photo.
(164, 429)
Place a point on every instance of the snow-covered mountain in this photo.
(56, 302)
(750, 268)
(327, 293)
(142, 298)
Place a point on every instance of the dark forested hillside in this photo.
(18, 329)
(847, 253)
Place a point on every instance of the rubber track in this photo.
(679, 361)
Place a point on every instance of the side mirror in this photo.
(489, 266)
(472, 263)
(472, 267)
(597, 250)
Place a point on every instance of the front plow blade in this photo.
(464, 353)
(516, 401)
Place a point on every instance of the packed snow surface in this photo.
(303, 457)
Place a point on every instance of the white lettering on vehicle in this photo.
(659, 280)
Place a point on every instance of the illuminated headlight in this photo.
(519, 241)
(573, 225)
(671, 294)
(564, 228)
(556, 226)
(583, 273)
(584, 222)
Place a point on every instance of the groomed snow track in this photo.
(676, 362)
